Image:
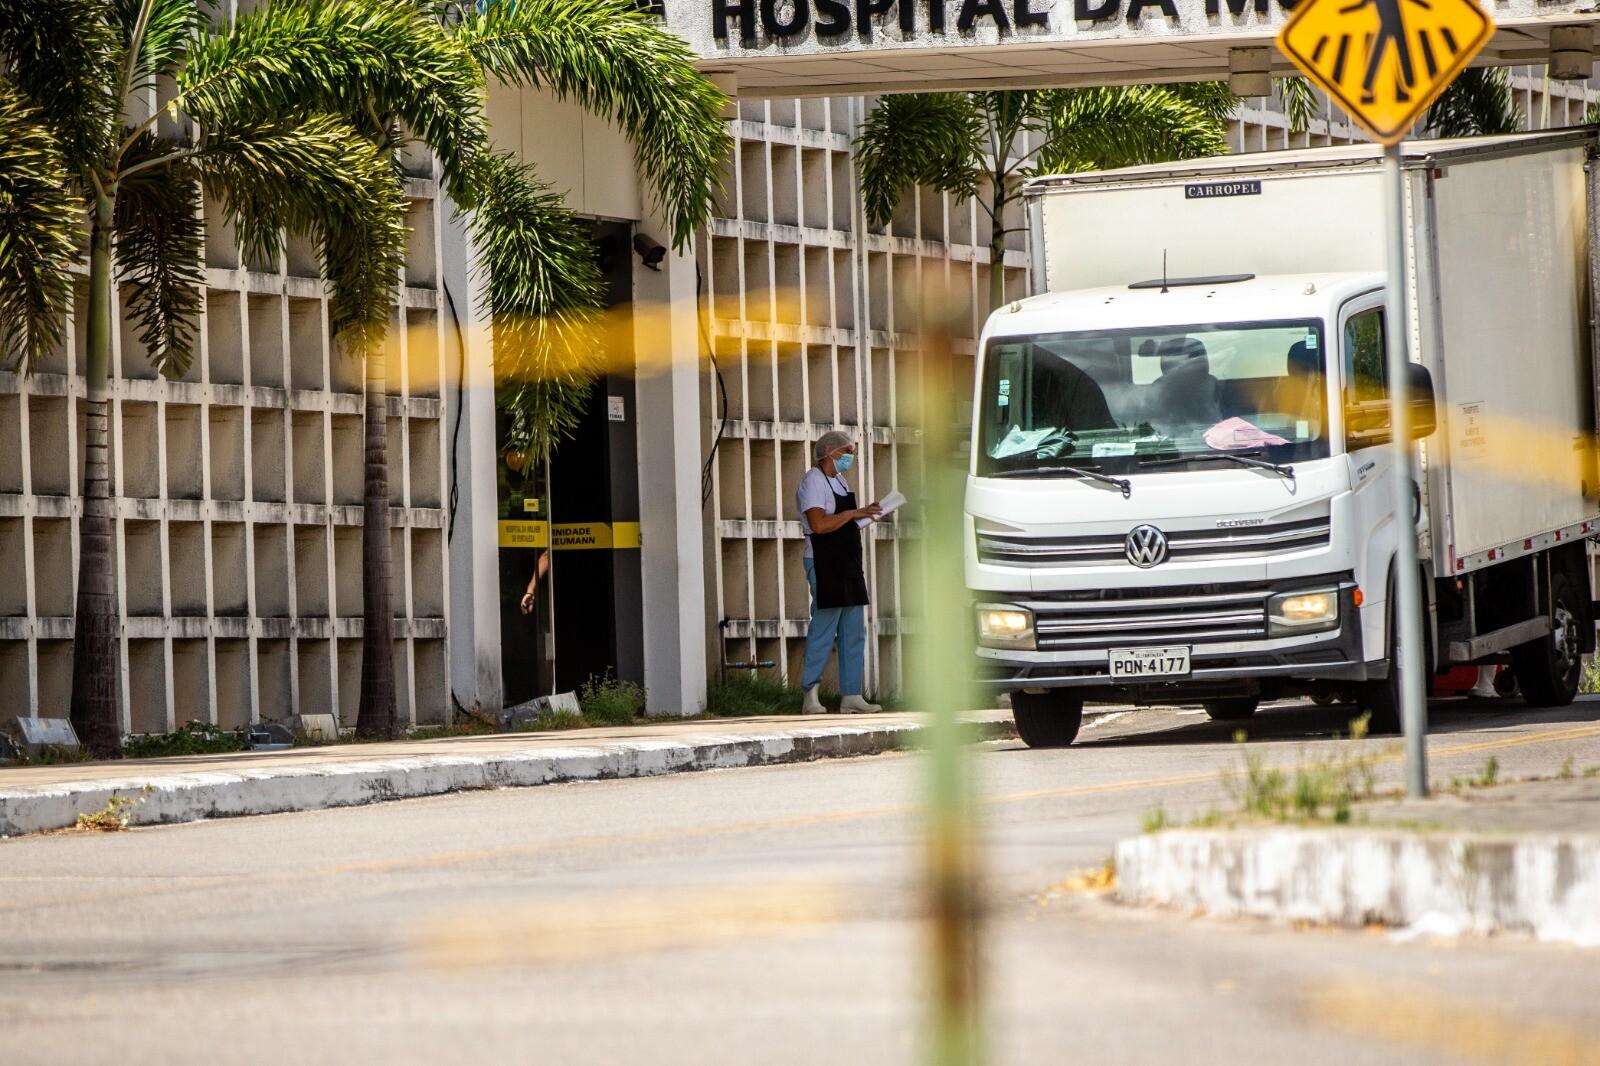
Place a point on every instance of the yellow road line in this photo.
(609, 923)
(1472, 1032)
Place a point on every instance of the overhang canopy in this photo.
(842, 47)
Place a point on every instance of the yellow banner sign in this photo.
(564, 536)
(1385, 61)
(519, 534)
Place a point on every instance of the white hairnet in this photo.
(829, 442)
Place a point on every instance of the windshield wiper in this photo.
(1244, 459)
(1076, 471)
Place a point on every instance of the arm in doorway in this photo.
(540, 568)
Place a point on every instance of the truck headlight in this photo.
(1005, 627)
(1302, 612)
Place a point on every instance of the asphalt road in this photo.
(752, 916)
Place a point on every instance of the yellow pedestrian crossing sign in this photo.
(1384, 61)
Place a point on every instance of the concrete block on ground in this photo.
(322, 727)
(31, 736)
(540, 707)
(1544, 885)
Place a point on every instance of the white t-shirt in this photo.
(817, 489)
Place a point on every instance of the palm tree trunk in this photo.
(94, 633)
(997, 243)
(376, 715)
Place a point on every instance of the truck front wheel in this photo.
(1549, 669)
(1047, 719)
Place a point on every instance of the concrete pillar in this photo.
(471, 458)
(668, 350)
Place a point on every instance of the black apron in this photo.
(836, 558)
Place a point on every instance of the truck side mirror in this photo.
(1366, 422)
(1424, 408)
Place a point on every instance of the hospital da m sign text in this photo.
(830, 21)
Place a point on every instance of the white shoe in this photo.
(813, 705)
(857, 705)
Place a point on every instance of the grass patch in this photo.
(608, 700)
(752, 694)
(1316, 791)
(1155, 819)
(193, 738)
(549, 723)
(463, 727)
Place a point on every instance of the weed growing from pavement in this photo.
(1566, 770)
(752, 694)
(1156, 819)
(546, 723)
(1316, 791)
(54, 755)
(1485, 778)
(112, 818)
(608, 700)
(192, 738)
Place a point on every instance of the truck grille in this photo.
(1151, 618)
(1011, 549)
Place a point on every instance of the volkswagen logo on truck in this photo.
(1146, 547)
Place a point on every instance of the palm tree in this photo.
(291, 119)
(614, 60)
(1477, 103)
(981, 146)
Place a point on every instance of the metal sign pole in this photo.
(1407, 658)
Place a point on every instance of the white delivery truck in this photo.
(1179, 485)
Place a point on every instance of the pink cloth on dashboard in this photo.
(1235, 432)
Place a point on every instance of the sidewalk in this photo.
(1521, 857)
(188, 788)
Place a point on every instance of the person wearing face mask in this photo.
(828, 513)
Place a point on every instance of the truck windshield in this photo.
(1113, 399)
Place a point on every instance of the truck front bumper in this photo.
(1255, 666)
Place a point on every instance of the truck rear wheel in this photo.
(1047, 719)
(1549, 669)
(1231, 710)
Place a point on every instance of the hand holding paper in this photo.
(892, 502)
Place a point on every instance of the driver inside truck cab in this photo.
(1186, 386)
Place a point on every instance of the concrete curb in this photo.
(1543, 885)
(194, 795)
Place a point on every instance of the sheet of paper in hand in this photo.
(890, 503)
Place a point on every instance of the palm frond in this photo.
(38, 225)
(315, 175)
(623, 64)
(344, 57)
(62, 55)
(170, 28)
(542, 287)
(160, 246)
(932, 139)
(1478, 102)
(1213, 98)
(1300, 102)
(1096, 129)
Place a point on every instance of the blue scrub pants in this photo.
(849, 624)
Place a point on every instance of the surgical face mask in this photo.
(844, 462)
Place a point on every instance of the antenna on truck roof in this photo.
(1163, 270)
